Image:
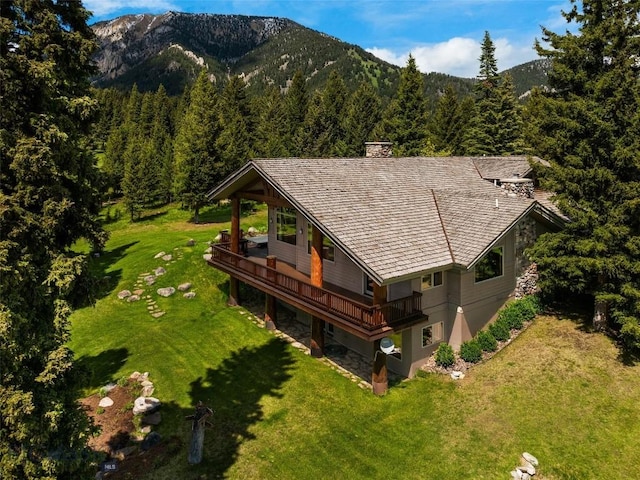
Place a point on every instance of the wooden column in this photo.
(234, 283)
(317, 325)
(270, 313)
(317, 337)
(379, 378)
(379, 294)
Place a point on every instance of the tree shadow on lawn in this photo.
(105, 282)
(101, 368)
(234, 391)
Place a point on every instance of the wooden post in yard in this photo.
(234, 283)
(317, 325)
(270, 313)
(198, 423)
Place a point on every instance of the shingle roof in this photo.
(497, 168)
(395, 217)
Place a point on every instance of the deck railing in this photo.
(369, 317)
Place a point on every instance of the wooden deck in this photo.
(353, 313)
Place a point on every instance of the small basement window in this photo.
(490, 266)
(432, 334)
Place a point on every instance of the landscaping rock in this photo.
(146, 429)
(528, 468)
(139, 291)
(207, 256)
(160, 254)
(516, 475)
(189, 295)
(124, 452)
(143, 376)
(530, 459)
(167, 258)
(151, 440)
(152, 419)
(109, 386)
(166, 291)
(124, 294)
(145, 405)
(135, 376)
(252, 231)
(157, 314)
(159, 271)
(147, 391)
(150, 279)
(133, 298)
(191, 242)
(105, 402)
(183, 287)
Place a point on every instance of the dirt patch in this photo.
(115, 422)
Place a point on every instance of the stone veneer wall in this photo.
(519, 187)
(378, 149)
(527, 273)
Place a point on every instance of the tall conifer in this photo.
(48, 200)
(587, 126)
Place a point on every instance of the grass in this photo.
(557, 391)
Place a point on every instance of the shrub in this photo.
(512, 315)
(123, 381)
(100, 410)
(444, 355)
(470, 351)
(500, 330)
(487, 341)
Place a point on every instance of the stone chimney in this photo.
(378, 149)
(517, 186)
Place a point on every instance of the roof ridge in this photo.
(444, 230)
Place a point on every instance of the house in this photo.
(418, 250)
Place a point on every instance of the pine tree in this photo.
(496, 126)
(297, 102)
(236, 122)
(587, 125)
(48, 201)
(449, 121)
(405, 121)
(271, 129)
(364, 111)
(198, 163)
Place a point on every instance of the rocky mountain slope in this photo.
(173, 48)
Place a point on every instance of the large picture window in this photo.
(286, 225)
(328, 250)
(490, 266)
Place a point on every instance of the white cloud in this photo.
(102, 8)
(458, 56)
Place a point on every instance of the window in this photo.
(431, 280)
(286, 225)
(328, 250)
(368, 286)
(490, 266)
(432, 334)
(397, 342)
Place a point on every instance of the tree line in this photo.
(158, 148)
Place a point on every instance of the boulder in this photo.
(105, 402)
(151, 440)
(145, 405)
(139, 291)
(159, 271)
(157, 314)
(166, 291)
(207, 256)
(150, 279)
(122, 294)
(135, 376)
(124, 452)
(160, 254)
(133, 298)
(189, 295)
(191, 242)
(109, 386)
(147, 391)
(530, 459)
(183, 287)
(252, 231)
(167, 258)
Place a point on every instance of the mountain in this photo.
(529, 75)
(173, 48)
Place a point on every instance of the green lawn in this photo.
(557, 391)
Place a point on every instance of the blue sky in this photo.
(443, 35)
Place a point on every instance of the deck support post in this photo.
(379, 378)
(270, 311)
(234, 283)
(317, 337)
(317, 325)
